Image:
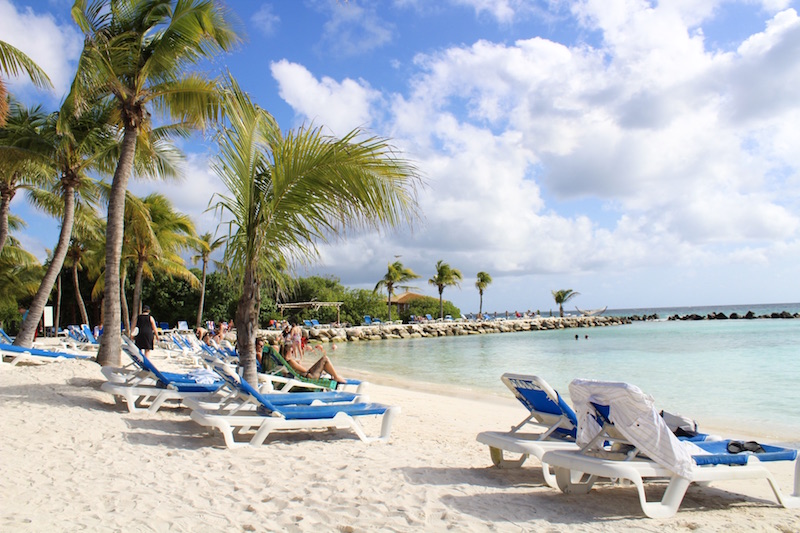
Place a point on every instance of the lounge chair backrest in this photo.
(87, 332)
(5, 337)
(183, 325)
(633, 414)
(141, 360)
(539, 397)
(241, 384)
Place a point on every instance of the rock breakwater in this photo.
(450, 328)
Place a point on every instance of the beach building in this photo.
(402, 301)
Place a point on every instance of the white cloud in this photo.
(190, 194)
(353, 28)
(340, 106)
(54, 47)
(265, 20)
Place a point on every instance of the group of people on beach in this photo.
(294, 345)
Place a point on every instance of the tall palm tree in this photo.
(205, 246)
(563, 296)
(396, 274)
(85, 241)
(445, 277)
(288, 192)
(81, 145)
(483, 281)
(154, 241)
(136, 54)
(12, 63)
(23, 157)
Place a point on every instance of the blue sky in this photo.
(642, 153)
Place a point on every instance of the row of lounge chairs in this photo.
(221, 399)
(615, 434)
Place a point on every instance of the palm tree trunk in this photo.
(31, 322)
(124, 302)
(137, 291)
(6, 195)
(389, 304)
(247, 325)
(110, 352)
(81, 304)
(480, 307)
(441, 304)
(57, 321)
(202, 296)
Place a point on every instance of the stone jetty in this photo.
(449, 328)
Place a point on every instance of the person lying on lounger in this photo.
(315, 371)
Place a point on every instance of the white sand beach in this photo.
(74, 460)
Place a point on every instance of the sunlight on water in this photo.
(741, 374)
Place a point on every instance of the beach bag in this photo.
(680, 425)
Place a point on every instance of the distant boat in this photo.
(593, 312)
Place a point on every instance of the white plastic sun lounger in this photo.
(270, 417)
(650, 450)
(550, 425)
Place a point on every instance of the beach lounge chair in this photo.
(367, 320)
(550, 425)
(270, 417)
(296, 380)
(5, 338)
(149, 388)
(183, 326)
(18, 354)
(308, 324)
(88, 335)
(634, 443)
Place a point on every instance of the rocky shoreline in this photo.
(449, 328)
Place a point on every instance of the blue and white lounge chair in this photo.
(271, 417)
(634, 443)
(550, 425)
(88, 335)
(18, 354)
(5, 338)
(150, 388)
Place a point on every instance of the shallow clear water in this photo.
(737, 374)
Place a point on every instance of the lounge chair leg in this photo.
(501, 462)
(669, 503)
(573, 482)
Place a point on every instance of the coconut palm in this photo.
(154, 240)
(81, 145)
(445, 277)
(20, 271)
(289, 192)
(483, 281)
(563, 296)
(395, 274)
(205, 246)
(136, 54)
(86, 241)
(12, 63)
(23, 157)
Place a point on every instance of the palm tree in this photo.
(483, 281)
(445, 277)
(205, 246)
(135, 54)
(290, 191)
(84, 242)
(396, 274)
(12, 63)
(82, 145)
(156, 235)
(20, 272)
(563, 296)
(23, 163)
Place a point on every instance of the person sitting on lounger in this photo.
(315, 371)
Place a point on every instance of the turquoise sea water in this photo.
(742, 375)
